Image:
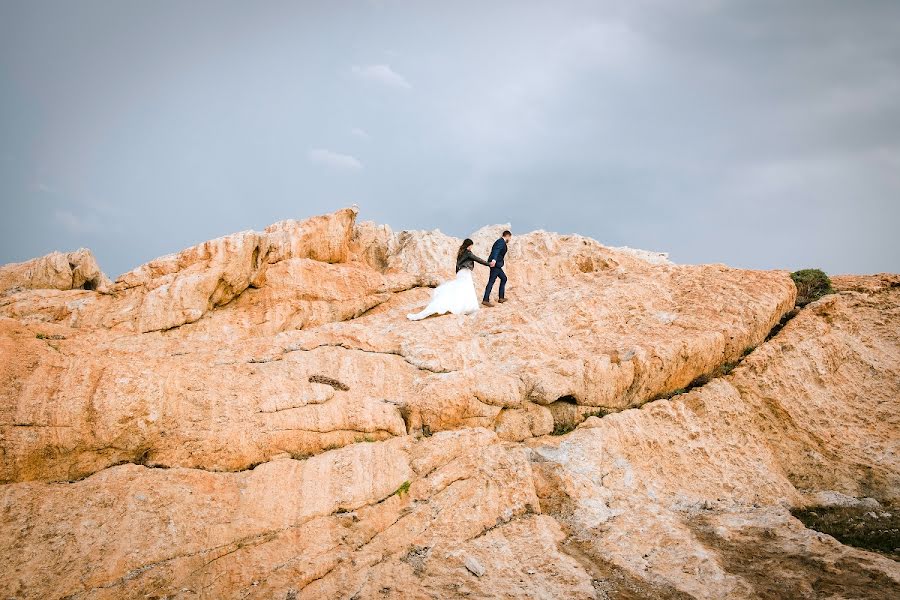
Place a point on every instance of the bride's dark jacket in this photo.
(468, 260)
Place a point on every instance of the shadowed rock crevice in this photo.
(329, 381)
(757, 554)
(568, 412)
(408, 360)
(865, 524)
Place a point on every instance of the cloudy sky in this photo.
(759, 133)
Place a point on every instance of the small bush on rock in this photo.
(811, 284)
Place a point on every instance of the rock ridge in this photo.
(254, 417)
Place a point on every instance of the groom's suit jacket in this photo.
(498, 252)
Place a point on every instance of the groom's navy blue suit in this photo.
(498, 252)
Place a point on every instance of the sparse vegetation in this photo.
(863, 527)
(727, 368)
(142, 456)
(45, 336)
(784, 321)
(562, 428)
(720, 371)
(403, 489)
(747, 351)
(672, 394)
(338, 385)
(811, 284)
(599, 413)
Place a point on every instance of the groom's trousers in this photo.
(496, 273)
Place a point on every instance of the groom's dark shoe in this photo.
(501, 300)
(487, 303)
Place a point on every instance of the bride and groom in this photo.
(457, 296)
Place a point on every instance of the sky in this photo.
(759, 133)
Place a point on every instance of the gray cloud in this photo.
(758, 133)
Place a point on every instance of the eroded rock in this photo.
(317, 444)
(335, 525)
(55, 271)
(689, 494)
(235, 326)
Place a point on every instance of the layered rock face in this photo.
(255, 417)
(57, 271)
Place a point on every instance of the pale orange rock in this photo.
(55, 271)
(246, 319)
(203, 408)
(682, 492)
(288, 433)
(396, 519)
(180, 288)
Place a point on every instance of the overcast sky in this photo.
(759, 133)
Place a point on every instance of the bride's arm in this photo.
(478, 260)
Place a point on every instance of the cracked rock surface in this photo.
(254, 417)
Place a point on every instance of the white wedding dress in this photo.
(456, 296)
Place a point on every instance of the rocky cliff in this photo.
(254, 417)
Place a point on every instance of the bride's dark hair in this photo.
(467, 243)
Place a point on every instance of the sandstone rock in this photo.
(830, 498)
(245, 318)
(70, 411)
(180, 288)
(330, 526)
(59, 271)
(301, 293)
(679, 494)
(317, 444)
(324, 238)
(474, 567)
(866, 283)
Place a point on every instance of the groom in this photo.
(495, 260)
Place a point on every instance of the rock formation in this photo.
(255, 417)
(57, 271)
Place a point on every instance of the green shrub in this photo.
(811, 284)
(403, 489)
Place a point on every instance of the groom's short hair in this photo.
(506, 233)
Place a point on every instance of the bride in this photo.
(456, 296)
